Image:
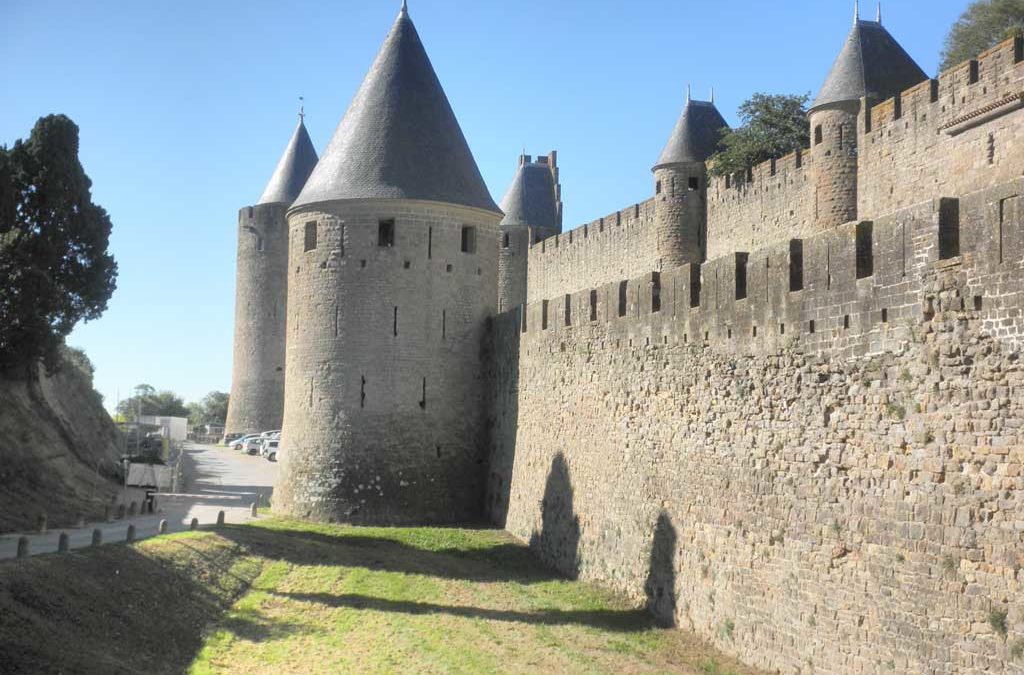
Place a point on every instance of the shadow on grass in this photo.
(499, 563)
(621, 621)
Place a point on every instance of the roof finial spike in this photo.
(856, 11)
(687, 92)
(302, 109)
(405, 7)
(878, 14)
(712, 95)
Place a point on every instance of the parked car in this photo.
(239, 442)
(252, 446)
(231, 438)
(271, 450)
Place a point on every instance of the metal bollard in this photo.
(254, 510)
(131, 534)
(163, 527)
(64, 543)
(97, 537)
(24, 548)
(194, 524)
(220, 518)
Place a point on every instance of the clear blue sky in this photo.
(185, 107)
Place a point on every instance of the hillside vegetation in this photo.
(280, 596)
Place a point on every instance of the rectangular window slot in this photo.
(978, 303)
(818, 136)
(949, 228)
(468, 239)
(810, 327)
(544, 315)
(522, 314)
(782, 329)
(568, 310)
(430, 243)
(694, 183)
(504, 240)
(694, 286)
(386, 233)
(741, 275)
(865, 252)
(885, 316)
(395, 325)
(362, 393)
(593, 305)
(754, 331)
(623, 285)
(656, 292)
(972, 72)
(444, 323)
(423, 400)
(846, 322)
(657, 188)
(311, 236)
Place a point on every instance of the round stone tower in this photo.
(392, 280)
(533, 211)
(871, 67)
(261, 294)
(681, 183)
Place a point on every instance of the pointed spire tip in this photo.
(856, 11)
(878, 13)
(405, 7)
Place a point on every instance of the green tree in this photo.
(984, 24)
(771, 125)
(213, 409)
(148, 401)
(54, 266)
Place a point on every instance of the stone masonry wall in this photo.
(813, 459)
(618, 246)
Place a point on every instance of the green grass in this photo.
(282, 596)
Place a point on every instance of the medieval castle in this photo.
(785, 409)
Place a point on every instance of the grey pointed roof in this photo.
(292, 170)
(696, 135)
(531, 199)
(871, 64)
(400, 138)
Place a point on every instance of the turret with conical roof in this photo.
(680, 183)
(533, 211)
(392, 276)
(871, 67)
(261, 293)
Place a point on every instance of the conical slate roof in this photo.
(696, 135)
(399, 138)
(872, 64)
(531, 198)
(292, 170)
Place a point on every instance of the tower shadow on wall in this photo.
(660, 586)
(501, 353)
(558, 541)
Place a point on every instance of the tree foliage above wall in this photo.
(148, 401)
(771, 125)
(984, 24)
(55, 270)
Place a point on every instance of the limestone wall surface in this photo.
(620, 245)
(842, 496)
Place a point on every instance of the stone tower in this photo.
(681, 183)
(533, 211)
(392, 279)
(257, 380)
(871, 67)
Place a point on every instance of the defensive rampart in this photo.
(810, 455)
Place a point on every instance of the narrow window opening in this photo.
(362, 393)
(656, 292)
(444, 323)
(657, 187)
(840, 136)
(341, 239)
(991, 154)
(782, 329)
(754, 331)
(430, 243)
(817, 135)
(741, 276)
(694, 286)
(694, 183)
(885, 315)
(437, 449)
(544, 315)
(423, 400)
(568, 309)
(729, 333)
(810, 327)
(846, 322)
(522, 314)
(622, 298)
(395, 324)
(386, 233)
(468, 239)
(593, 305)
(311, 236)
(972, 75)
(865, 253)
(977, 303)
(949, 228)
(504, 240)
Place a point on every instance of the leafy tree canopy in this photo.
(213, 409)
(148, 401)
(771, 125)
(984, 24)
(54, 266)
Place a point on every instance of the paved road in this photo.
(221, 480)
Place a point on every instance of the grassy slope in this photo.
(290, 597)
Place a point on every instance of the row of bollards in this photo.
(64, 542)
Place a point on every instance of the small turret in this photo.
(680, 184)
(261, 293)
(533, 211)
(872, 66)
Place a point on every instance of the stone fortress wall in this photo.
(807, 451)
